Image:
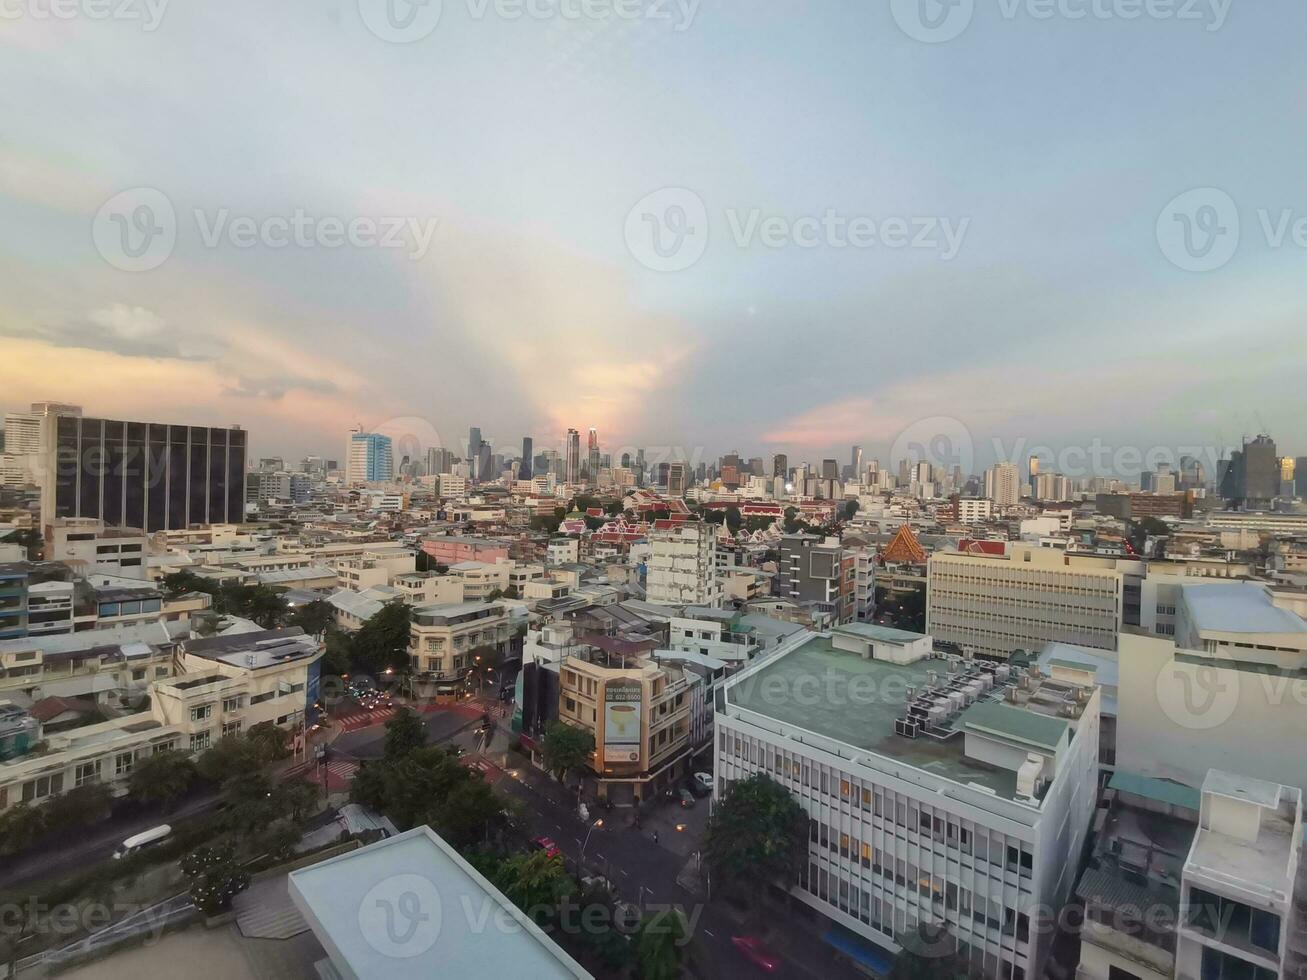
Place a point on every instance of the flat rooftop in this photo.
(879, 634)
(840, 696)
(1238, 607)
(410, 906)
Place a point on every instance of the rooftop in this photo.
(458, 923)
(879, 634)
(264, 648)
(1238, 607)
(856, 702)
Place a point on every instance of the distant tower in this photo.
(524, 470)
(474, 450)
(572, 470)
(593, 457)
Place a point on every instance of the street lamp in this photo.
(585, 843)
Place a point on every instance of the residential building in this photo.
(683, 564)
(563, 550)
(142, 475)
(816, 569)
(452, 549)
(676, 479)
(1003, 485)
(92, 547)
(972, 510)
(444, 639)
(937, 789)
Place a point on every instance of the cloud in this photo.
(128, 322)
(276, 388)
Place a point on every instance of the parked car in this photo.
(686, 798)
(139, 842)
(756, 952)
(703, 779)
(547, 845)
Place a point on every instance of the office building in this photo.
(937, 790)
(683, 565)
(676, 479)
(1003, 485)
(592, 460)
(1252, 477)
(994, 605)
(474, 450)
(818, 570)
(780, 466)
(143, 475)
(368, 458)
(572, 468)
(524, 469)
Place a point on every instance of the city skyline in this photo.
(1051, 321)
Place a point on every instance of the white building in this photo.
(1003, 485)
(683, 565)
(937, 790)
(974, 510)
(115, 551)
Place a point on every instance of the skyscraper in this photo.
(1252, 477)
(780, 466)
(1003, 484)
(855, 463)
(572, 470)
(474, 449)
(144, 475)
(676, 479)
(592, 462)
(524, 470)
(368, 458)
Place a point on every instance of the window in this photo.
(1116, 973)
(160, 671)
(233, 704)
(201, 741)
(43, 786)
(231, 728)
(138, 675)
(201, 712)
(87, 773)
(167, 746)
(123, 763)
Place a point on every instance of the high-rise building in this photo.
(572, 470)
(474, 449)
(592, 461)
(683, 565)
(780, 466)
(830, 469)
(368, 458)
(146, 475)
(676, 479)
(1032, 476)
(525, 470)
(1300, 477)
(855, 463)
(1003, 484)
(1252, 478)
(485, 467)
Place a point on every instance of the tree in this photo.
(929, 952)
(791, 523)
(338, 661)
(266, 606)
(269, 740)
(850, 509)
(471, 812)
(382, 641)
(230, 756)
(733, 518)
(566, 747)
(278, 839)
(314, 617)
(78, 807)
(757, 835)
(536, 883)
(405, 732)
(660, 944)
(162, 778)
(29, 538)
(21, 826)
(185, 581)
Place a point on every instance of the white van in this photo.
(146, 838)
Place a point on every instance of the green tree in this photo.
(314, 617)
(230, 756)
(269, 740)
(660, 944)
(28, 538)
(929, 952)
(536, 883)
(405, 733)
(850, 509)
(338, 661)
(757, 835)
(566, 747)
(733, 518)
(791, 521)
(382, 641)
(79, 807)
(250, 802)
(21, 826)
(278, 839)
(296, 799)
(471, 812)
(162, 778)
(186, 581)
(266, 606)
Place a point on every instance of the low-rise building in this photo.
(444, 639)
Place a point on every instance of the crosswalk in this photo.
(357, 718)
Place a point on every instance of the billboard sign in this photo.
(623, 709)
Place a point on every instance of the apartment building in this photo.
(683, 564)
(452, 549)
(937, 789)
(563, 551)
(225, 685)
(821, 570)
(639, 713)
(116, 667)
(444, 638)
(994, 605)
(96, 547)
(718, 633)
(972, 510)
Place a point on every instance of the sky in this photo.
(765, 226)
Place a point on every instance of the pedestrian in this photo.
(655, 836)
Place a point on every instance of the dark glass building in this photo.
(146, 474)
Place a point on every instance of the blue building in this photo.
(370, 458)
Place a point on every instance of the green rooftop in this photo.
(841, 696)
(882, 634)
(1017, 724)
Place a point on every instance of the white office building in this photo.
(937, 789)
(683, 565)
